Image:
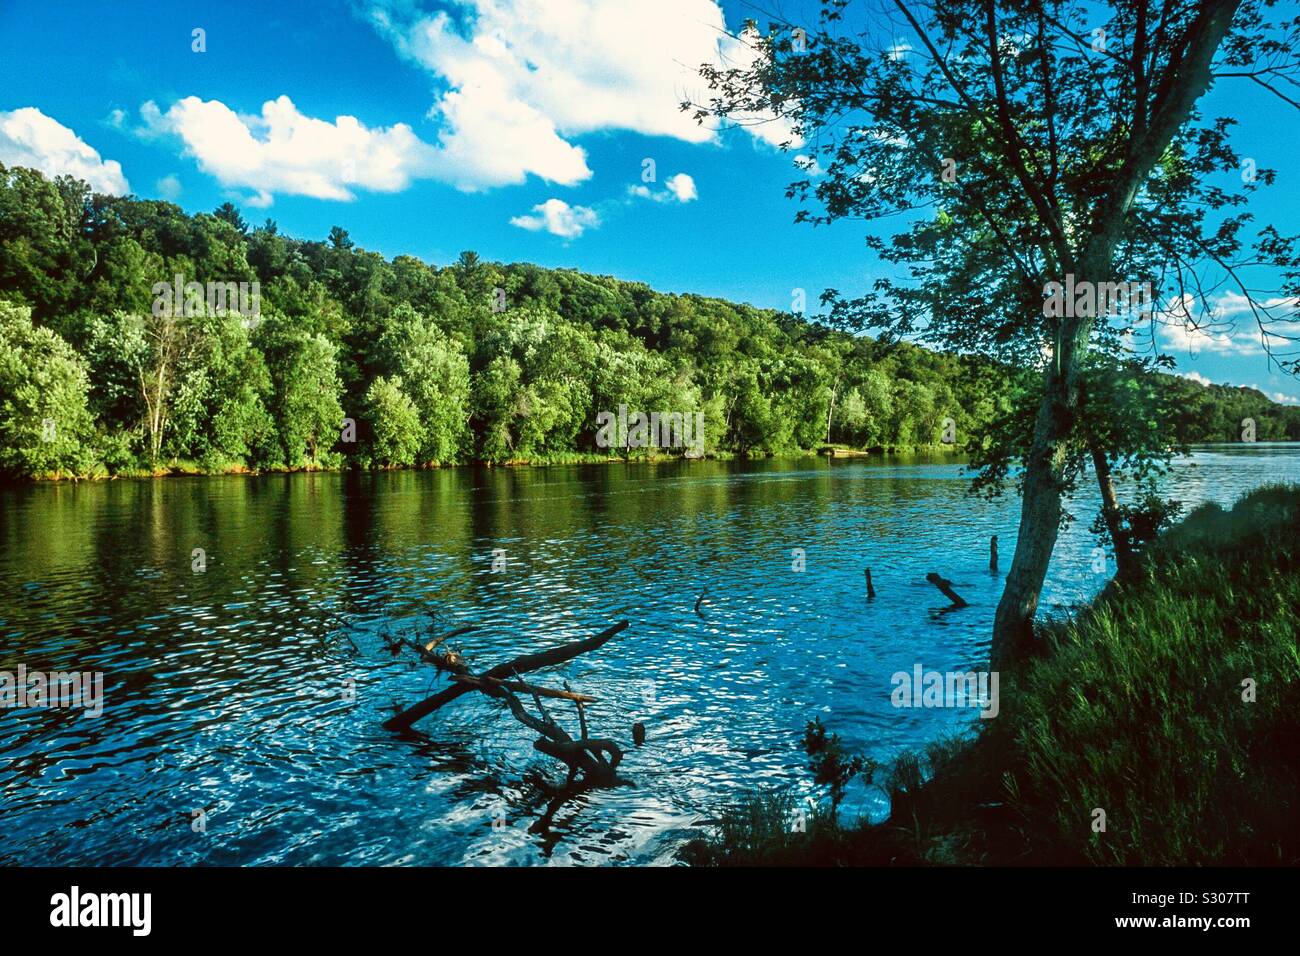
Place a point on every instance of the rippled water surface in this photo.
(228, 690)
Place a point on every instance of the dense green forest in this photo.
(474, 361)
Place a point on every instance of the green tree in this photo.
(135, 357)
(44, 417)
(305, 390)
(394, 422)
(496, 400)
(227, 212)
(219, 417)
(436, 372)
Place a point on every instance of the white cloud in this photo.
(1228, 324)
(679, 188)
(1196, 377)
(1232, 305)
(682, 186)
(30, 138)
(518, 80)
(169, 187)
(1185, 327)
(1182, 338)
(523, 77)
(283, 151)
(1281, 398)
(559, 219)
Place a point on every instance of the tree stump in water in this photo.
(944, 585)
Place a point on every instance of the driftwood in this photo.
(871, 591)
(944, 585)
(592, 761)
(480, 683)
(520, 665)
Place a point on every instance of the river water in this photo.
(240, 727)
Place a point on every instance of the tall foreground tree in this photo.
(1024, 144)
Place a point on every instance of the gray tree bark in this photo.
(1186, 78)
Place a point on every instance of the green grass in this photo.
(760, 831)
(1135, 706)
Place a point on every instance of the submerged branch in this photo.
(520, 665)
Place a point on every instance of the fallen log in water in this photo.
(520, 665)
(944, 585)
(595, 758)
(592, 761)
(482, 683)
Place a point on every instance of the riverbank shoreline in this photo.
(1160, 726)
(194, 470)
(837, 452)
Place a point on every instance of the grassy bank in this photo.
(1172, 703)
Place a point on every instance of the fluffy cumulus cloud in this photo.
(516, 83)
(520, 79)
(1234, 305)
(30, 138)
(682, 186)
(809, 166)
(559, 219)
(676, 188)
(280, 150)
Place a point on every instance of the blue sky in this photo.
(454, 146)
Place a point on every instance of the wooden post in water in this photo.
(993, 554)
(871, 592)
(944, 585)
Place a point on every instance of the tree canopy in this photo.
(423, 361)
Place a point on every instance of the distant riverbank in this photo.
(191, 469)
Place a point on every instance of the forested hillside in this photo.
(475, 361)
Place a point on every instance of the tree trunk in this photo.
(1040, 523)
(1110, 511)
(1040, 512)
(831, 414)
